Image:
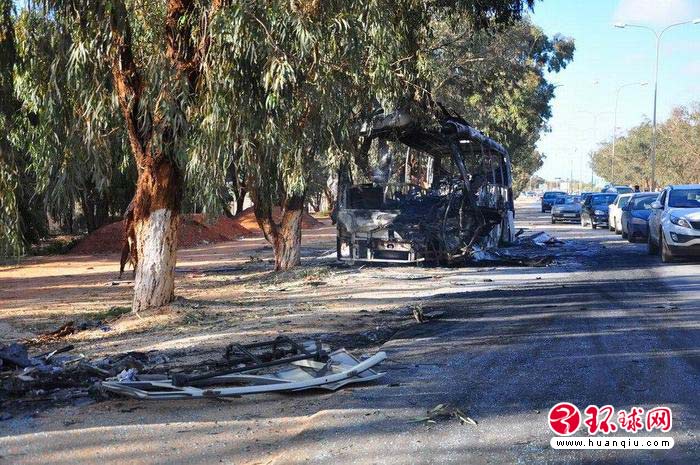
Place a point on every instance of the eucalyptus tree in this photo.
(10, 231)
(497, 80)
(678, 152)
(73, 141)
(275, 87)
(294, 81)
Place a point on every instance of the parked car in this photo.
(585, 195)
(635, 216)
(594, 211)
(615, 212)
(674, 223)
(618, 190)
(549, 198)
(566, 209)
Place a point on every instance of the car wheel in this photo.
(666, 254)
(625, 235)
(652, 248)
(611, 226)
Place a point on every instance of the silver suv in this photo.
(674, 223)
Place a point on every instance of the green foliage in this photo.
(496, 79)
(285, 86)
(10, 228)
(677, 152)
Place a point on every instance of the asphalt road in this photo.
(606, 324)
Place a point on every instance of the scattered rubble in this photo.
(524, 251)
(444, 412)
(52, 336)
(272, 366)
(303, 366)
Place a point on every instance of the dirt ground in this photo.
(225, 292)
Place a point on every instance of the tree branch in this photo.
(127, 81)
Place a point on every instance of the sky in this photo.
(606, 58)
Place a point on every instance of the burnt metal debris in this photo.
(452, 192)
(280, 365)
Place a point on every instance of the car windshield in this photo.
(624, 189)
(599, 200)
(642, 203)
(684, 198)
(553, 195)
(567, 200)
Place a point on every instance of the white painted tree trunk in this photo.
(156, 242)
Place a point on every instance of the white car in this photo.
(615, 212)
(674, 223)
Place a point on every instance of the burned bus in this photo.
(439, 192)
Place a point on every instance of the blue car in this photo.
(635, 216)
(594, 211)
(549, 198)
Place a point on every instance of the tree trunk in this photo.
(159, 187)
(240, 200)
(156, 211)
(156, 242)
(287, 236)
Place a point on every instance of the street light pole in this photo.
(658, 35)
(595, 116)
(617, 98)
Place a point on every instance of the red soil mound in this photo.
(193, 231)
(247, 220)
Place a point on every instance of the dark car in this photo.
(635, 216)
(617, 190)
(566, 209)
(594, 211)
(549, 198)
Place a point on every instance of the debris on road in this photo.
(507, 257)
(14, 356)
(541, 238)
(524, 251)
(52, 336)
(303, 366)
(444, 412)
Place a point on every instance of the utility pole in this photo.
(658, 35)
